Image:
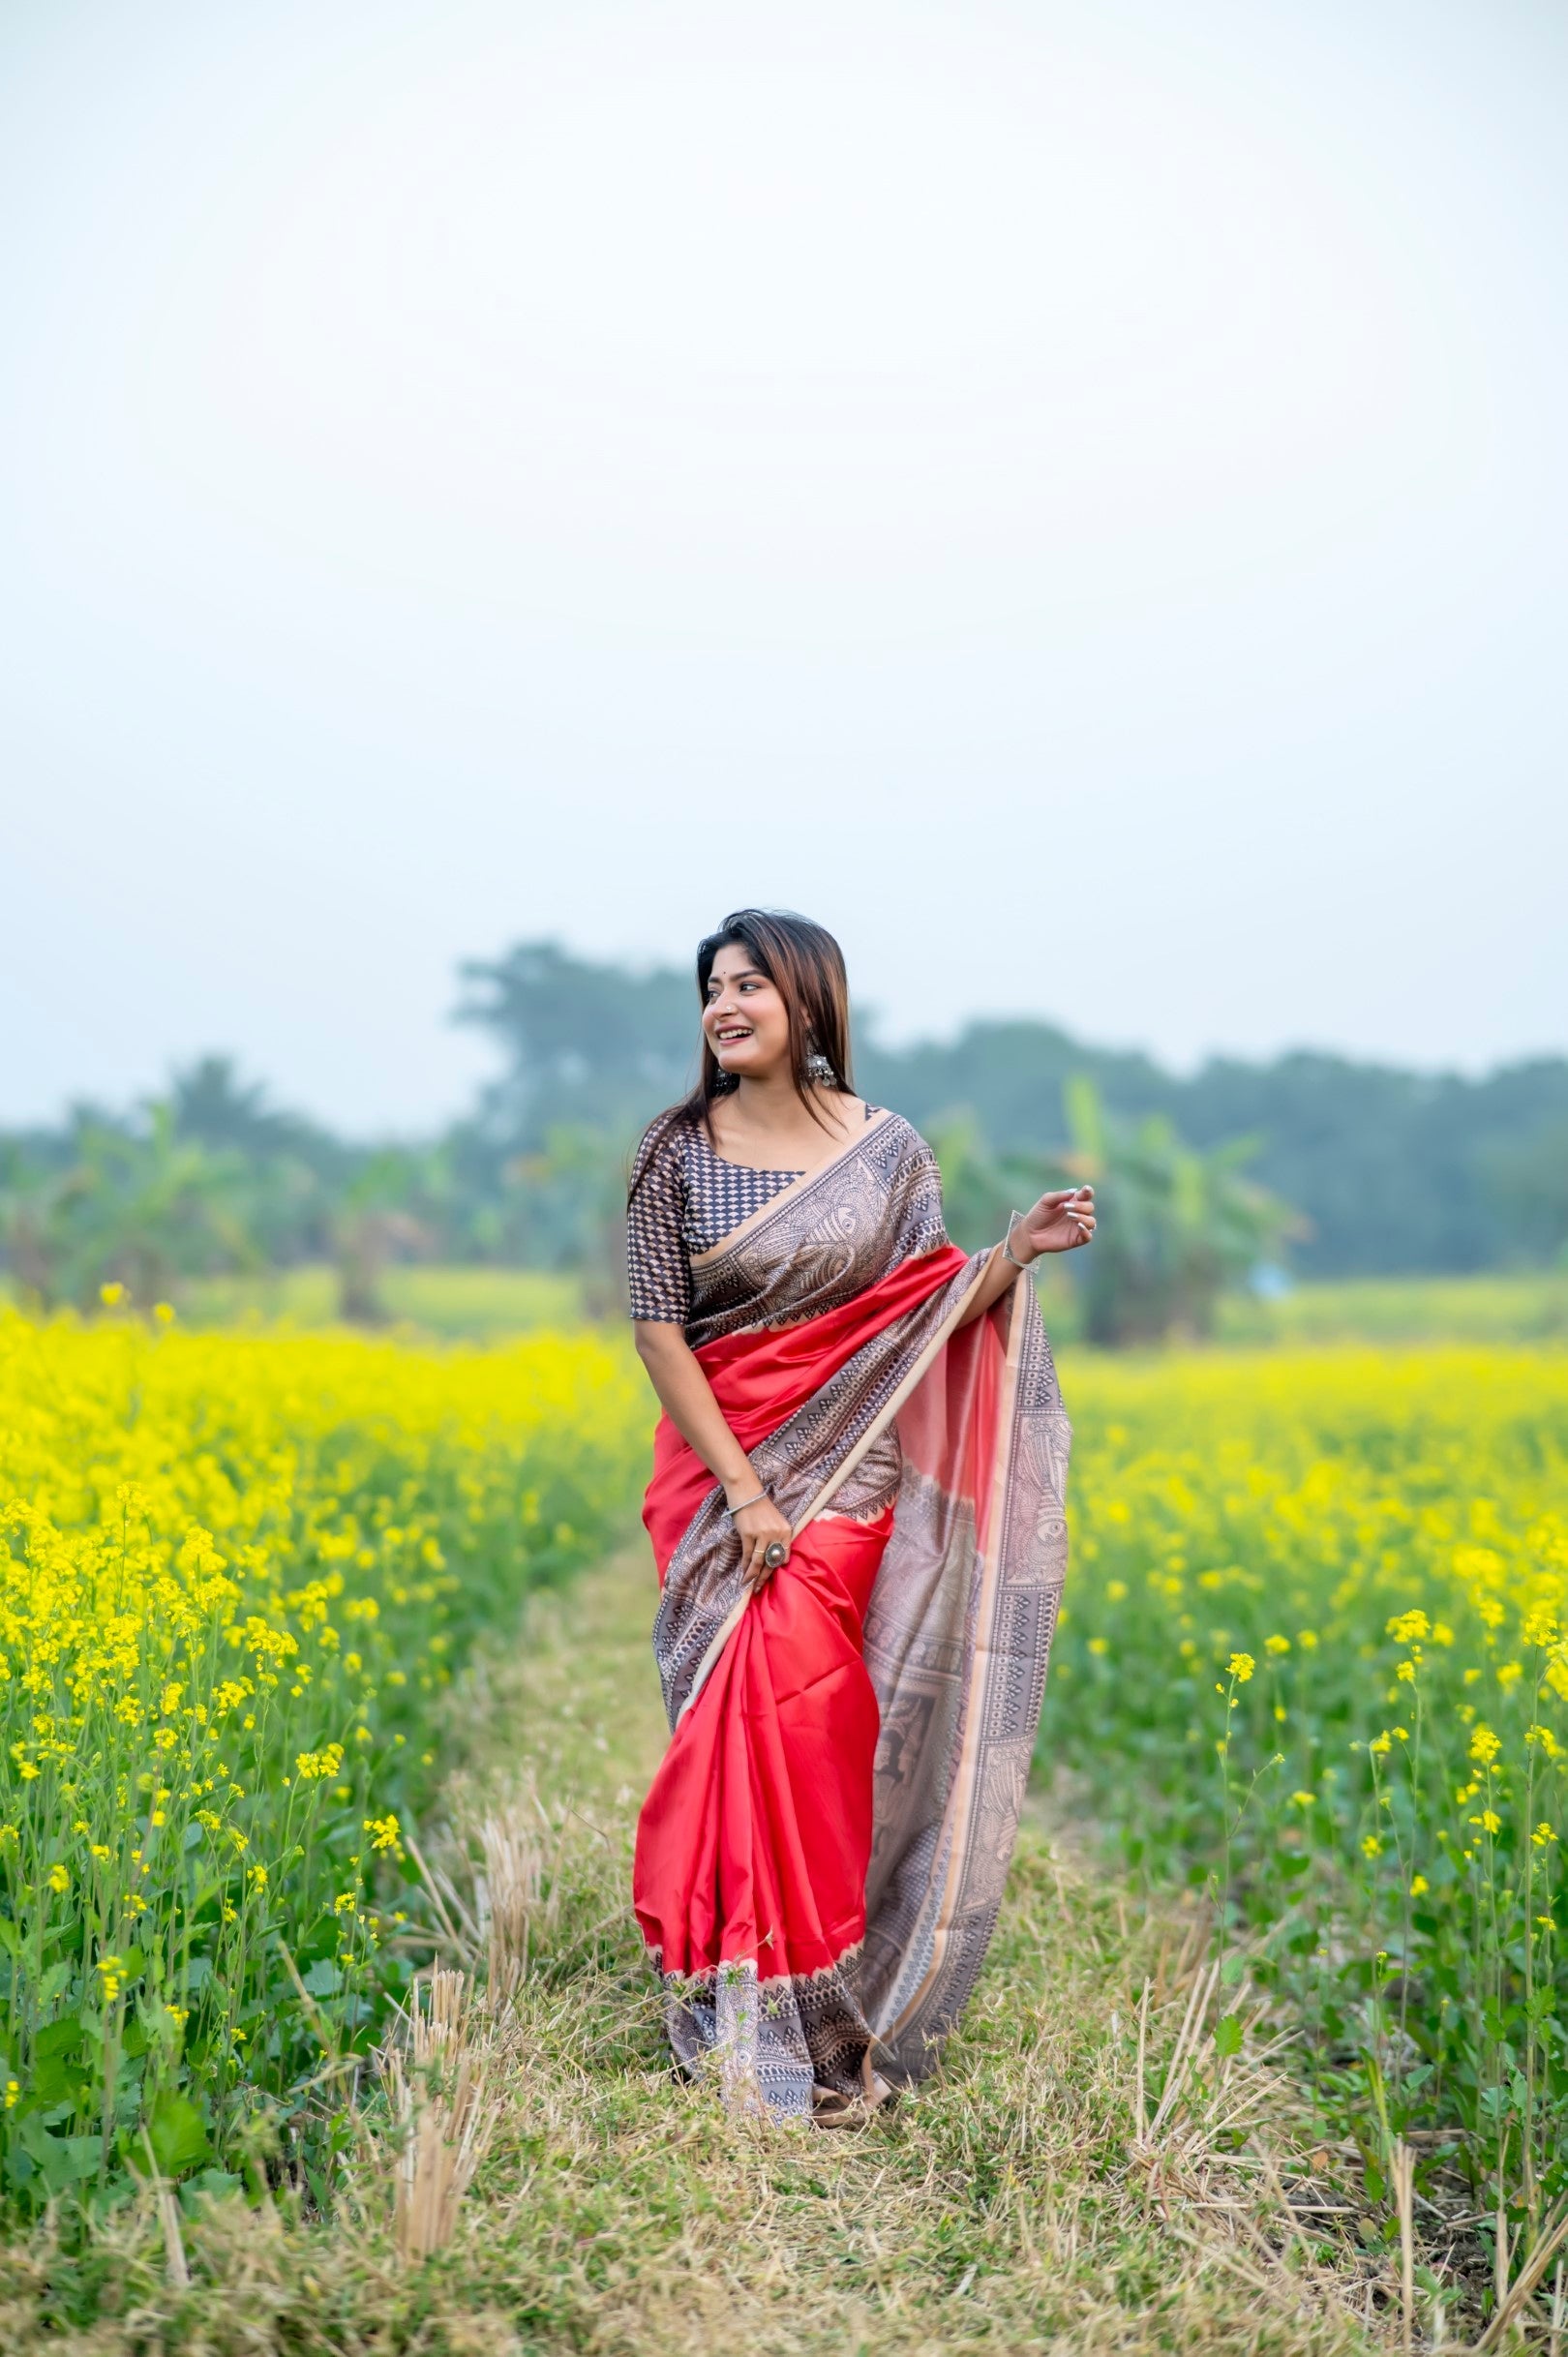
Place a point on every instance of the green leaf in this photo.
(62, 2037)
(1227, 2034)
(74, 2159)
(60, 2160)
(55, 1979)
(177, 2135)
(1231, 1969)
(323, 1980)
(58, 2078)
(216, 2185)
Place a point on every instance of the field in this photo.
(239, 1576)
(1313, 1661)
(1403, 1310)
(478, 1304)
(1278, 1991)
(455, 1304)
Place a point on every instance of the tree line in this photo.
(1334, 1166)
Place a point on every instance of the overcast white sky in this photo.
(1072, 495)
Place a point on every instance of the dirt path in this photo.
(1010, 2204)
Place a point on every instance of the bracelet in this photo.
(1008, 1252)
(733, 1511)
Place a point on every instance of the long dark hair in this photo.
(805, 966)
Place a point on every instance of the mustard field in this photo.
(1313, 1662)
(239, 1575)
(1312, 1667)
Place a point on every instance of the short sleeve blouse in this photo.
(686, 1198)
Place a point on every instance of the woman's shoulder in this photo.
(662, 1147)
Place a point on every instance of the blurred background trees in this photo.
(1221, 1179)
(1177, 1225)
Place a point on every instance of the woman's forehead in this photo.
(734, 960)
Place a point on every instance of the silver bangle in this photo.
(733, 1511)
(1008, 1252)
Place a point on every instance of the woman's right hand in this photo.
(760, 1525)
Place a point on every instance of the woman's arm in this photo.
(1059, 1222)
(686, 1396)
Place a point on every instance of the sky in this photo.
(1073, 497)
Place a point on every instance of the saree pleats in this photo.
(755, 1838)
(755, 1835)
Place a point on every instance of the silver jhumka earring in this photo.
(819, 1070)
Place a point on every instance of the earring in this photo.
(819, 1070)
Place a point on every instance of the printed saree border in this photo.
(957, 1831)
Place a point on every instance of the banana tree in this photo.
(380, 1215)
(1176, 1225)
(139, 1206)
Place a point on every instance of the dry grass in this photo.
(443, 2110)
(1084, 2174)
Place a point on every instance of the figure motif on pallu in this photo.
(822, 1856)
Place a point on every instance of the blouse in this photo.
(685, 1199)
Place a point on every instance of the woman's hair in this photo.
(805, 966)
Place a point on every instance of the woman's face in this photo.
(745, 1020)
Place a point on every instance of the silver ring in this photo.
(775, 1555)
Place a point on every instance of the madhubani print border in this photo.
(776, 2043)
(1024, 1569)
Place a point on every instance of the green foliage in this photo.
(1403, 1309)
(470, 1304)
(1175, 1225)
(1392, 1171)
(1315, 1661)
(588, 1047)
(236, 1580)
(1002, 2207)
(375, 1216)
(139, 1207)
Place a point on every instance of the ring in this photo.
(775, 1555)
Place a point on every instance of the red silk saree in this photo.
(822, 1855)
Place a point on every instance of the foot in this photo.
(830, 2110)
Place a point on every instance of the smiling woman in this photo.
(857, 1512)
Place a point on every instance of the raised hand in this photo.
(1058, 1222)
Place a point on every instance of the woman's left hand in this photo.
(1059, 1222)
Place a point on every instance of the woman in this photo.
(857, 1512)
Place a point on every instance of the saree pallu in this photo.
(822, 1855)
